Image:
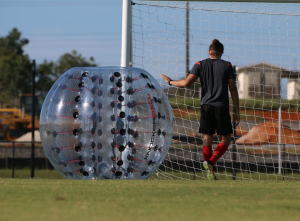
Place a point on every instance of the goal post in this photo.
(261, 39)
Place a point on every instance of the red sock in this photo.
(207, 152)
(220, 150)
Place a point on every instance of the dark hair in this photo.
(216, 48)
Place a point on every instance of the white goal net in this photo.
(262, 41)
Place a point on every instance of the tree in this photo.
(15, 67)
(49, 72)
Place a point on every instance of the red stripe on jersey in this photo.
(230, 65)
(198, 63)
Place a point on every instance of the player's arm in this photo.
(235, 99)
(191, 78)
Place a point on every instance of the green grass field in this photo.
(60, 199)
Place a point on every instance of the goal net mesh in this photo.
(261, 41)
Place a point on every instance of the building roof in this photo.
(285, 73)
(264, 65)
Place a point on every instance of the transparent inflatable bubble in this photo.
(106, 123)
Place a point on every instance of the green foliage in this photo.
(49, 71)
(15, 67)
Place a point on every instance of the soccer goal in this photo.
(261, 40)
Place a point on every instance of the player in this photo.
(215, 76)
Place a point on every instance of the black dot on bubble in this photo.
(129, 157)
(70, 76)
(93, 104)
(135, 135)
(54, 133)
(119, 106)
(122, 131)
(120, 163)
(130, 144)
(129, 169)
(112, 104)
(113, 157)
(64, 164)
(133, 150)
(119, 84)
(135, 118)
(99, 146)
(112, 117)
(80, 157)
(156, 148)
(155, 99)
(75, 115)
(122, 114)
(159, 115)
(129, 80)
(112, 90)
(163, 117)
(117, 74)
(159, 132)
(81, 163)
(129, 118)
(81, 84)
(152, 86)
(159, 100)
(84, 74)
(93, 144)
(100, 119)
(77, 98)
(99, 132)
(118, 173)
(121, 98)
(111, 78)
(100, 80)
(93, 157)
(93, 90)
(149, 85)
(100, 106)
(99, 159)
(85, 173)
(130, 131)
(63, 87)
(119, 92)
(121, 148)
(77, 148)
(76, 132)
(164, 133)
(80, 130)
(94, 116)
(57, 150)
(150, 162)
(113, 131)
(100, 93)
(94, 78)
(93, 130)
(144, 75)
(144, 173)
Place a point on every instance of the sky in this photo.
(93, 28)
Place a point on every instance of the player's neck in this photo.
(213, 57)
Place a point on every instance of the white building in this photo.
(262, 80)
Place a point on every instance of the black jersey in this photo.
(214, 75)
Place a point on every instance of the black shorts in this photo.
(215, 119)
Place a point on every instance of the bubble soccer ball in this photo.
(106, 123)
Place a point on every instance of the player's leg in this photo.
(207, 146)
(207, 128)
(224, 128)
(221, 148)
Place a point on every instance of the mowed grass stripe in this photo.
(45, 199)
